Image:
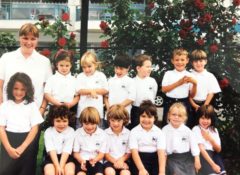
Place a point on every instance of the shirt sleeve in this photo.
(103, 146)
(76, 143)
(48, 85)
(36, 117)
(48, 140)
(193, 144)
(2, 67)
(214, 86)
(133, 144)
(132, 90)
(161, 141)
(48, 70)
(165, 79)
(104, 81)
(155, 87)
(3, 117)
(68, 143)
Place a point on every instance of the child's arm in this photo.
(80, 160)
(106, 102)
(126, 102)
(162, 161)
(209, 138)
(54, 158)
(43, 106)
(73, 102)
(197, 163)
(193, 104)
(138, 162)
(52, 100)
(120, 163)
(172, 86)
(204, 153)
(96, 159)
(1, 90)
(63, 160)
(12, 152)
(30, 137)
(193, 90)
(209, 98)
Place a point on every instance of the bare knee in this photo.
(109, 171)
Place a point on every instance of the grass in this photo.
(40, 155)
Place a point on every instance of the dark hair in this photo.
(207, 111)
(90, 115)
(61, 112)
(118, 112)
(63, 55)
(27, 83)
(198, 55)
(122, 60)
(149, 108)
(140, 59)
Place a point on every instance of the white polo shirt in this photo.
(146, 89)
(206, 83)
(180, 140)
(89, 146)
(62, 88)
(37, 67)
(147, 141)
(19, 118)
(173, 76)
(59, 142)
(207, 145)
(117, 145)
(121, 89)
(96, 81)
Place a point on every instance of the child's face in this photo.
(116, 125)
(64, 67)
(19, 92)
(144, 70)
(120, 71)
(28, 43)
(146, 121)
(199, 65)
(89, 69)
(89, 128)
(205, 122)
(180, 62)
(175, 118)
(60, 124)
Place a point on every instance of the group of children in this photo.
(146, 149)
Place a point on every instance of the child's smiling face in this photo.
(180, 62)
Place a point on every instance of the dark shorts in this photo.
(98, 168)
(48, 160)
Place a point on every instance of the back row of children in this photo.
(122, 85)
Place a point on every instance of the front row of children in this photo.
(90, 150)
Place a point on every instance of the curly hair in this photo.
(26, 82)
(118, 112)
(61, 112)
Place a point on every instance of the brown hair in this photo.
(90, 115)
(149, 108)
(140, 59)
(29, 28)
(63, 55)
(179, 51)
(198, 55)
(118, 112)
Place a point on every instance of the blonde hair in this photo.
(181, 109)
(90, 115)
(198, 55)
(89, 57)
(118, 112)
(29, 28)
(179, 52)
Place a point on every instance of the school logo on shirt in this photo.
(150, 88)
(123, 86)
(124, 142)
(184, 139)
(154, 139)
(97, 82)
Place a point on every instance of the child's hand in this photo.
(92, 162)
(68, 105)
(216, 168)
(197, 165)
(143, 172)
(190, 80)
(12, 152)
(206, 135)
(93, 94)
(83, 165)
(59, 170)
(119, 164)
(20, 150)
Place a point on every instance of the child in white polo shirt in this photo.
(89, 144)
(122, 89)
(146, 86)
(58, 140)
(147, 143)
(182, 148)
(19, 123)
(91, 85)
(117, 152)
(178, 84)
(207, 83)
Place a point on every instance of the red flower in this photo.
(207, 17)
(103, 25)
(65, 16)
(72, 35)
(200, 42)
(224, 83)
(199, 4)
(46, 52)
(183, 34)
(213, 48)
(234, 21)
(236, 2)
(201, 21)
(151, 5)
(62, 42)
(186, 24)
(41, 17)
(104, 44)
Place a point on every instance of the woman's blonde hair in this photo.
(118, 112)
(29, 28)
(90, 115)
(89, 57)
(181, 109)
